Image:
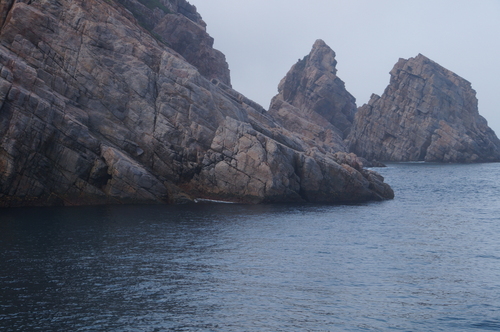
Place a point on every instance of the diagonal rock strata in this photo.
(313, 100)
(96, 109)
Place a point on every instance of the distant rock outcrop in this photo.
(96, 108)
(427, 113)
(313, 100)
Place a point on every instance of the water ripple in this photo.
(426, 261)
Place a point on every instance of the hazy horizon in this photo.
(263, 39)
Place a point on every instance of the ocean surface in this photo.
(429, 260)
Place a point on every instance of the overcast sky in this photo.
(262, 39)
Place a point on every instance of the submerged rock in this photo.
(427, 113)
(95, 108)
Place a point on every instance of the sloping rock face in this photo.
(427, 113)
(312, 99)
(94, 109)
(177, 24)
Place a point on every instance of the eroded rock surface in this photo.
(313, 100)
(95, 109)
(177, 24)
(427, 113)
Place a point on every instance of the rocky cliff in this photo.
(177, 24)
(313, 100)
(97, 106)
(427, 113)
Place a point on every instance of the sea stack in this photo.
(427, 113)
(313, 100)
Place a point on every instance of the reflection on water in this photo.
(427, 261)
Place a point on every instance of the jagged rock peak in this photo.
(427, 113)
(322, 57)
(425, 68)
(312, 97)
(319, 62)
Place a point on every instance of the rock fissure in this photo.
(6, 8)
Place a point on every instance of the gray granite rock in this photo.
(177, 24)
(94, 109)
(427, 113)
(313, 97)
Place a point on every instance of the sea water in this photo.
(429, 260)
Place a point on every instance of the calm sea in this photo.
(429, 260)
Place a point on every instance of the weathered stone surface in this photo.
(192, 41)
(314, 98)
(94, 110)
(427, 113)
(178, 24)
(312, 127)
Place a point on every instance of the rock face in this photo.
(427, 113)
(95, 108)
(177, 24)
(313, 100)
